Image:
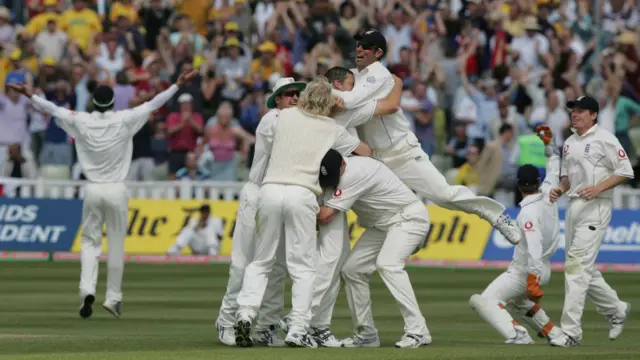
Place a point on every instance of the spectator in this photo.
(419, 110)
(184, 128)
(160, 151)
(7, 30)
(468, 173)
(498, 163)
(153, 18)
(50, 44)
(554, 116)
(222, 140)
(40, 22)
(191, 171)
(13, 119)
(17, 165)
(57, 156)
(232, 69)
(80, 23)
(267, 64)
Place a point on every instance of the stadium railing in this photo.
(623, 197)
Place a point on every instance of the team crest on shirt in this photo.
(586, 149)
(371, 79)
(621, 154)
(528, 226)
(337, 193)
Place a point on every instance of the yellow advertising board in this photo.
(153, 226)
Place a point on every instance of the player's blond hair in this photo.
(316, 99)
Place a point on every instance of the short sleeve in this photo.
(618, 158)
(345, 143)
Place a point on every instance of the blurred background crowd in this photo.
(479, 75)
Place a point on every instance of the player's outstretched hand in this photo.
(22, 89)
(186, 77)
(544, 133)
(555, 194)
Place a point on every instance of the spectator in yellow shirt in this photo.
(40, 21)
(266, 64)
(467, 174)
(80, 23)
(123, 8)
(198, 11)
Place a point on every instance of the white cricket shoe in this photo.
(522, 337)
(243, 331)
(617, 323)
(563, 340)
(325, 338)
(356, 341)
(508, 229)
(268, 337)
(115, 308)
(226, 335)
(284, 324)
(412, 341)
(298, 340)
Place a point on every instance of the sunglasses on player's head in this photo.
(365, 45)
(291, 93)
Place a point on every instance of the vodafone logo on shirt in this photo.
(528, 226)
(337, 193)
(621, 154)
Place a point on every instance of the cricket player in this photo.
(530, 269)
(202, 234)
(396, 222)
(288, 205)
(594, 163)
(333, 238)
(104, 144)
(285, 95)
(395, 145)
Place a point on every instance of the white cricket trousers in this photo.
(103, 203)
(242, 253)
(586, 223)
(333, 250)
(284, 212)
(510, 288)
(412, 165)
(386, 251)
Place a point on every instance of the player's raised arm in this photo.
(552, 178)
(140, 114)
(65, 116)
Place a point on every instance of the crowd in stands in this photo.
(479, 75)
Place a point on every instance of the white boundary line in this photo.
(203, 259)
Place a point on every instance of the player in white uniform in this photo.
(104, 145)
(333, 238)
(285, 95)
(594, 163)
(288, 206)
(396, 222)
(530, 268)
(395, 145)
(202, 234)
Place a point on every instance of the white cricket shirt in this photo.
(374, 83)
(300, 142)
(593, 157)
(372, 191)
(104, 140)
(262, 150)
(540, 223)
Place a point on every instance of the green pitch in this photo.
(170, 310)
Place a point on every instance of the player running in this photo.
(395, 145)
(287, 209)
(530, 268)
(594, 163)
(396, 223)
(285, 95)
(104, 144)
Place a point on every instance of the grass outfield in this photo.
(170, 310)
